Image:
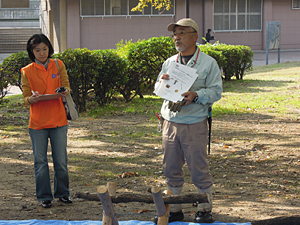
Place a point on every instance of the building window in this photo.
(237, 15)
(118, 8)
(295, 4)
(14, 3)
(20, 11)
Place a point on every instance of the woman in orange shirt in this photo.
(48, 118)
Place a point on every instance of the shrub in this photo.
(246, 61)
(131, 69)
(144, 59)
(133, 77)
(4, 82)
(236, 60)
(95, 74)
(10, 70)
(217, 55)
(81, 66)
(12, 67)
(109, 77)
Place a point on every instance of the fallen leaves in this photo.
(141, 211)
(128, 174)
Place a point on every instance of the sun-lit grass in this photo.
(149, 104)
(266, 89)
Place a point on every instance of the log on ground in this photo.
(131, 197)
(292, 220)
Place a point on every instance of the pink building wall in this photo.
(273, 10)
(73, 27)
(290, 23)
(98, 33)
(196, 13)
(103, 33)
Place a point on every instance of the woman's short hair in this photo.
(34, 41)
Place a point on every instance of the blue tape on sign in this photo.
(88, 222)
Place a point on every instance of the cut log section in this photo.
(107, 205)
(164, 220)
(112, 188)
(158, 201)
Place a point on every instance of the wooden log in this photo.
(164, 220)
(131, 197)
(112, 188)
(158, 201)
(291, 220)
(107, 204)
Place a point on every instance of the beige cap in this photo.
(186, 22)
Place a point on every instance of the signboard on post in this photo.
(273, 37)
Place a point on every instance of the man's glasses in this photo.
(181, 33)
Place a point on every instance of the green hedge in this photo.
(92, 74)
(144, 60)
(10, 71)
(81, 67)
(234, 60)
(110, 75)
(130, 70)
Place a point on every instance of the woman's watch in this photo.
(196, 98)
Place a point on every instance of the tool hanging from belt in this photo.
(209, 121)
(161, 121)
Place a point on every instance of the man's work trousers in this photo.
(186, 143)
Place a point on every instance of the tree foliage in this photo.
(161, 5)
(144, 60)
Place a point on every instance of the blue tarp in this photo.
(89, 222)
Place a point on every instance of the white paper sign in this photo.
(181, 78)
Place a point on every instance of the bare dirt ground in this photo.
(255, 163)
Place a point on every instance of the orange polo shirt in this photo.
(50, 113)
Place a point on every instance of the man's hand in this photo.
(189, 97)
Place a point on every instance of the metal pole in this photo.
(267, 44)
(187, 8)
(278, 55)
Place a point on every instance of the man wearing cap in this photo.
(184, 130)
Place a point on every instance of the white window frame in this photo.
(236, 14)
(128, 11)
(295, 5)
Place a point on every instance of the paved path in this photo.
(13, 90)
(3, 56)
(259, 60)
(285, 56)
